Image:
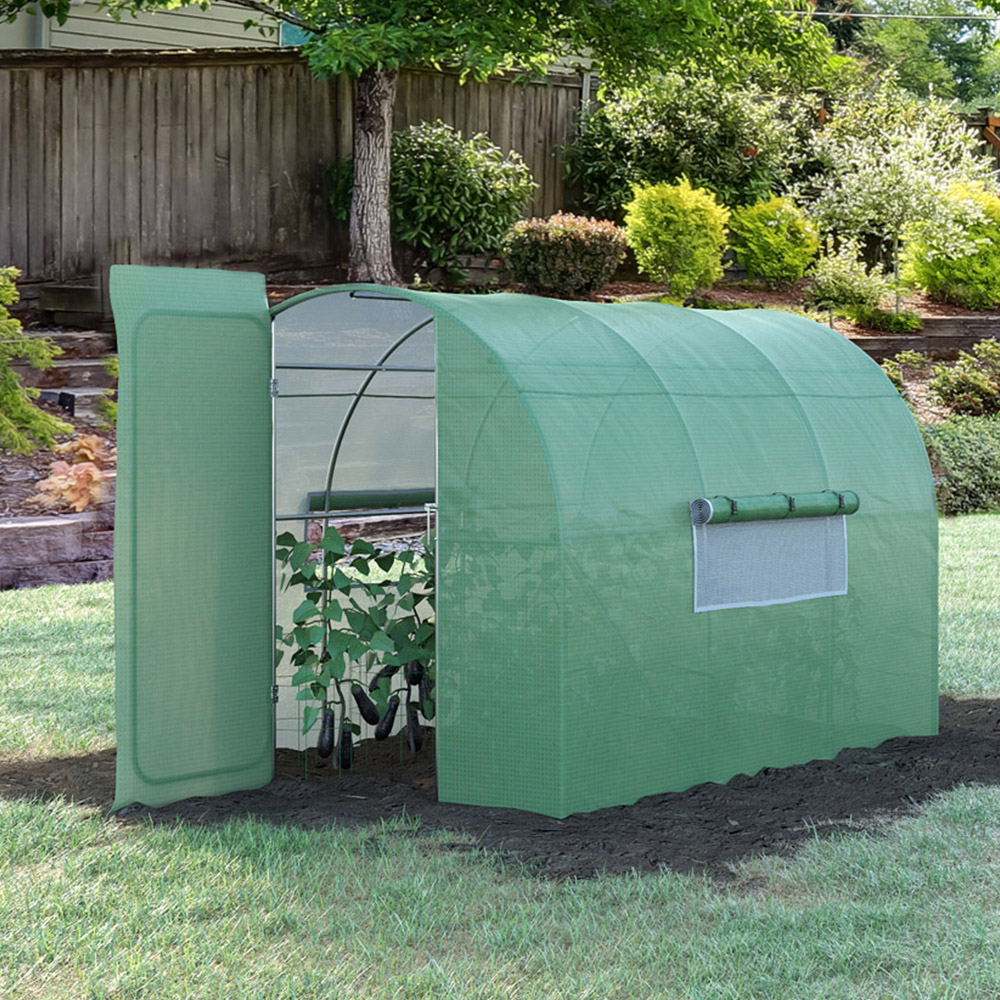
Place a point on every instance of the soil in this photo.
(20, 474)
(708, 828)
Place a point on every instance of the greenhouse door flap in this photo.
(193, 534)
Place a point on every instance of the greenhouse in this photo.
(673, 545)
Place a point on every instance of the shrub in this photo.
(971, 280)
(885, 319)
(734, 142)
(971, 385)
(841, 279)
(965, 452)
(565, 253)
(76, 485)
(905, 362)
(448, 195)
(773, 240)
(23, 426)
(678, 233)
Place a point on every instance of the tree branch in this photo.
(278, 14)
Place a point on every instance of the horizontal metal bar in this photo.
(345, 395)
(348, 515)
(355, 368)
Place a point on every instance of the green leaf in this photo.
(307, 609)
(358, 620)
(359, 547)
(300, 554)
(309, 716)
(334, 612)
(286, 538)
(381, 642)
(385, 562)
(332, 542)
(304, 675)
(337, 642)
(342, 581)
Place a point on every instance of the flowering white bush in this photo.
(889, 163)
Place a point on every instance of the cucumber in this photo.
(384, 726)
(384, 672)
(414, 735)
(365, 705)
(346, 749)
(324, 746)
(414, 672)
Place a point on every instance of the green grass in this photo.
(95, 907)
(970, 604)
(57, 677)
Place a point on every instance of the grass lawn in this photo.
(97, 908)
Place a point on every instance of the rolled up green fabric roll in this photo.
(773, 506)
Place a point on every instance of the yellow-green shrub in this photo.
(678, 234)
(773, 240)
(972, 280)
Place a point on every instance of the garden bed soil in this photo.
(20, 474)
(706, 829)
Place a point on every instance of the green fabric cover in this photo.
(193, 570)
(573, 673)
(773, 506)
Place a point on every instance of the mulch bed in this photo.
(708, 828)
(20, 474)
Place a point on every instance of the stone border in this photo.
(62, 548)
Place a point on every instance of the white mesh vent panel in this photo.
(769, 562)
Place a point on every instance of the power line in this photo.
(851, 14)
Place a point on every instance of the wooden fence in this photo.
(215, 157)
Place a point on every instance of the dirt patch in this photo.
(708, 828)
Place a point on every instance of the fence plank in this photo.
(6, 157)
(213, 157)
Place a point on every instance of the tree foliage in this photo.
(928, 44)
(625, 38)
(738, 143)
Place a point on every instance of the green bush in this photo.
(565, 253)
(841, 279)
(885, 319)
(773, 240)
(448, 195)
(971, 385)
(902, 364)
(965, 453)
(23, 426)
(971, 280)
(678, 234)
(737, 143)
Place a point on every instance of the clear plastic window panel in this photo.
(756, 563)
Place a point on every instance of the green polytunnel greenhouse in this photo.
(673, 545)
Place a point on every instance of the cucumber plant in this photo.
(365, 626)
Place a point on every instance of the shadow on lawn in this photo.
(705, 829)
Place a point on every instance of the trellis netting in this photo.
(599, 637)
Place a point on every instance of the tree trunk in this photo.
(371, 247)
